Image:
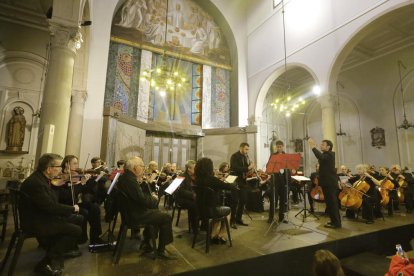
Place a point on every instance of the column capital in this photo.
(79, 96)
(326, 100)
(68, 37)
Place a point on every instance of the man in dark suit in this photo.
(45, 217)
(280, 190)
(328, 180)
(141, 208)
(240, 164)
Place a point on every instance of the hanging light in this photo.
(405, 124)
(165, 76)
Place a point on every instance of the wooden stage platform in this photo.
(286, 250)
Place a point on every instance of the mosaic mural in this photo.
(220, 96)
(121, 87)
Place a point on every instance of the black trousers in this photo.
(191, 206)
(92, 214)
(60, 235)
(408, 198)
(243, 193)
(331, 200)
(163, 225)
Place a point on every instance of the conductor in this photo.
(328, 179)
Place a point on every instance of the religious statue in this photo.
(16, 130)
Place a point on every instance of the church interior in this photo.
(177, 80)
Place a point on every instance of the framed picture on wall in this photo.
(378, 137)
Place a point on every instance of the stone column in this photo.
(73, 143)
(327, 103)
(65, 40)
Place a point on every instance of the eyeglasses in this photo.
(56, 166)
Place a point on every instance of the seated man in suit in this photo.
(45, 217)
(141, 207)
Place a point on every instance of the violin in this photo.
(72, 178)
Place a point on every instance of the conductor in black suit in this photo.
(328, 180)
(43, 216)
(142, 208)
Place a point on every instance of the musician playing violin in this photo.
(89, 210)
(95, 190)
(120, 169)
(370, 201)
(185, 195)
(405, 182)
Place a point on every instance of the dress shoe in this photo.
(222, 240)
(146, 247)
(369, 222)
(72, 254)
(98, 241)
(312, 211)
(332, 226)
(270, 220)
(240, 222)
(47, 270)
(166, 256)
(233, 225)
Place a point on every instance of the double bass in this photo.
(316, 192)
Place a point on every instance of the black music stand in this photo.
(276, 163)
(304, 209)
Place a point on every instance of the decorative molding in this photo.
(79, 96)
(66, 37)
(23, 17)
(182, 130)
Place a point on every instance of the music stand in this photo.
(300, 178)
(276, 163)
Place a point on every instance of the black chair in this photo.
(206, 208)
(19, 234)
(126, 224)
(4, 211)
(178, 207)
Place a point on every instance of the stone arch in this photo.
(260, 103)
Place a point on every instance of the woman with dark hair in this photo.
(89, 210)
(326, 264)
(205, 178)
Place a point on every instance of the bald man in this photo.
(141, 207)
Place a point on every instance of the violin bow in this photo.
(71, 183)
(86, 163)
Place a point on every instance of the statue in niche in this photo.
(16, 130)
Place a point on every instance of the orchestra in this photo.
(367, 192)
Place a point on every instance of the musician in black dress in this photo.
(240, 164)
(279, 193)
(185, 195)
(384, 174)
(370, 200)
(404, 181)
(328, 179)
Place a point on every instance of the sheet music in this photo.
(300, 178)
(113, 183)
(230, 179)
(174, 185)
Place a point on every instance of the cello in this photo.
(385, 187)
(352, 198)
(316, 192)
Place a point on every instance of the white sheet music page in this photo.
(174, 185)
(230, 179)
(300, 178)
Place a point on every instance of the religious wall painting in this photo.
(191, 32)
(220, 96)
(378, 137)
